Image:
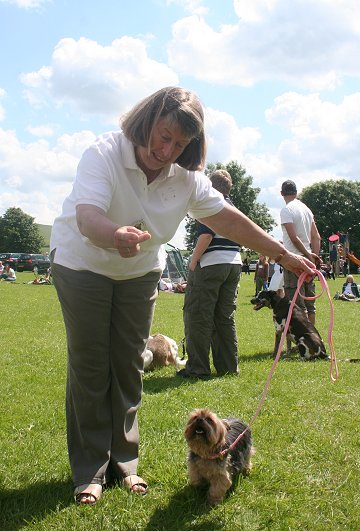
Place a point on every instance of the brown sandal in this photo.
(84, 496)
(132, 484)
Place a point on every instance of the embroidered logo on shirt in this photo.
(168, 194)
(141, 225)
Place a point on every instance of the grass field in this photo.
(306, 470)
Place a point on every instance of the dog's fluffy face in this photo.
(205, 432)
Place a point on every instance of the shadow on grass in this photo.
(258, 356)
(183, 508)
(20, 506)
(157, 384)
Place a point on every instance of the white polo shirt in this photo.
(108, 177)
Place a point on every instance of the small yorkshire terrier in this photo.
(207, 435)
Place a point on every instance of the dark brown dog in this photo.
(301, 331)
(207, 435)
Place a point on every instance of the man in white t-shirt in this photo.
(300, 236)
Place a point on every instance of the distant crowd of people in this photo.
(8, 274)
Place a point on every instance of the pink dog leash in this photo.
(324, 284)
(333, 362)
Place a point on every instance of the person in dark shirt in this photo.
(245, 266)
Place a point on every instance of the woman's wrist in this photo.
(280, 256)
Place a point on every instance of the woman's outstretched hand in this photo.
(127, 240)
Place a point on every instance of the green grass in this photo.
(306, 469)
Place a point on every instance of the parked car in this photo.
(252, 265)
(39, 263)
(10, 258)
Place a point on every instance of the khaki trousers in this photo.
(209, 319)
(307, 290)
(107, 324)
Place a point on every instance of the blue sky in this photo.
(279, 81)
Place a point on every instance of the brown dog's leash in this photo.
(333, 362)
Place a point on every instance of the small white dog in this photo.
(161, 351)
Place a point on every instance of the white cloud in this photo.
(103, 80)
(42, 204)
(14, 181)
(192, 6)
(309, 117)
(37, 161)
(36, 176)
(253, 11)
(2, 110)
(26, 4)
(226, 140)
(321, 143)
(41, 130)
(323, 134)
(312, 44)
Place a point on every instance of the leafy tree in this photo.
(336, 208)
(242, 194)
(18, 233)
(190, 234)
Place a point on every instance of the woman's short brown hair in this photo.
(221, 181)
(180, 106)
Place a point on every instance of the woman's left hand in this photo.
(298, 264)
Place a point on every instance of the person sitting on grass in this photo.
(39, 281)
(350, 290)
(8, 274)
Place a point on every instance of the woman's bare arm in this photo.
(102, 232)
(234, 225)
